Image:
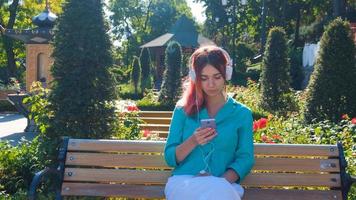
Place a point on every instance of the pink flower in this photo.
(353, 121)
(345, 116)
(264, 138)
(146, 133)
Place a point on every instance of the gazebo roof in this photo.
(184, 32)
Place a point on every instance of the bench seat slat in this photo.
(153, 191)
(155, 114)
(157, 161)
(160, 177)
(158, 146)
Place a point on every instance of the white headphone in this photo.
(228, 71)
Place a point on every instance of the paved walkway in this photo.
(12, 127)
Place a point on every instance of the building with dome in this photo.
(38, 49)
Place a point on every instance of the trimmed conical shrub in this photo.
(331, 91)
(136, 73)
(83, 87)
(146, 78)
(275, 79)
(171, 86)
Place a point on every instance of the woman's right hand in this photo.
(202, 136)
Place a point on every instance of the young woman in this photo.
(209, 159)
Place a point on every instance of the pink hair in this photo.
(193, 96)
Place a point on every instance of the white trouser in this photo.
(188, 187)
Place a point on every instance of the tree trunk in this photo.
(8, 42)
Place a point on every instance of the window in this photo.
(41, 69)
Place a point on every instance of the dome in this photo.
(45, 19)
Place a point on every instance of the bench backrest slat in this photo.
(158, 146)
(157, 161)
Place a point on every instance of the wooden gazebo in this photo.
(185, 33)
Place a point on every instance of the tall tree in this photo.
(332, 92)
(275, 79)
(83, 90)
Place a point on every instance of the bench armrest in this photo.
(37, 180)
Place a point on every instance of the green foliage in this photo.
(128, 126)
(18, 165)
(293, 130)
(275, 79)
(171, 86)
(136, 73)
(150, 102)
(127, 91)
(254, 71)
(296, 67)
(146, 78)
(83, 89)
(121, 74)
(249, 96)
(331, 91)
(244, 53)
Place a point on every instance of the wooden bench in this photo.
(136, 169)
(157, 122)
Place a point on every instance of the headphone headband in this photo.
(228, 68)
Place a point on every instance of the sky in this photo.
(197, 11)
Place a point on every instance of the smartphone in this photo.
(208, 123)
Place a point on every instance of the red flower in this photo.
(259, 124)
(345, 116)
(255, 126)
(263, 122)
(353, 121)
(132, 108)
(146, 133)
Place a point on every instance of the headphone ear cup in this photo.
(192, 75)
(228, 73)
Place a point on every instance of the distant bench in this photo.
(157, 122)
(136, 169)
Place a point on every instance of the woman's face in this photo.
(212, 81)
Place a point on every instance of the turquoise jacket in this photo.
(231, 148)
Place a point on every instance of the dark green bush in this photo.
(332, 91)
(136, 73)
(275, 79)
(83, 89)
(146, 71)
